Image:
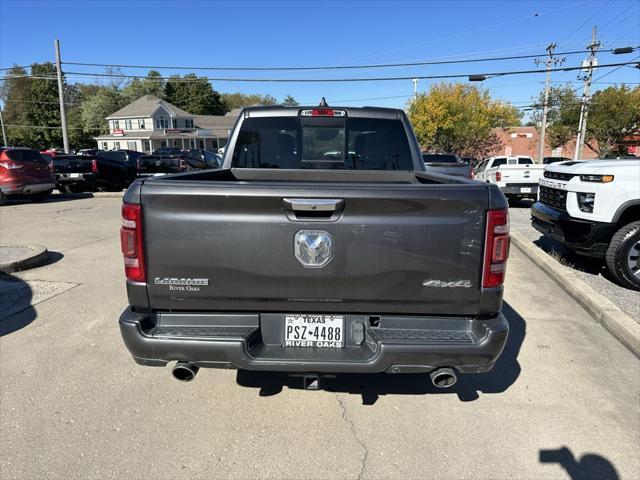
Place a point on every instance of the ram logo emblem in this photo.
(313, 248)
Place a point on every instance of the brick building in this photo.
(524, 141)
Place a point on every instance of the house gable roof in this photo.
(146, 106)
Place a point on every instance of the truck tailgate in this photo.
(219, 246)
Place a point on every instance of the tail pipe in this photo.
(443, 377)
(184, 371)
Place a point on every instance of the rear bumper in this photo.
(582, 236)
(470, 345)
(25, 188)
(67, 179)
(517, 190)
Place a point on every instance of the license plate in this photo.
(525, 190)
(314, 330)
(74, 175)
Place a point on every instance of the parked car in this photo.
(284, 261)
(110, 170)
(593, 208)
(167, 151)
(517, 177)
(447, 164)
(23, 171)
(549, 160)
(185, 160)
(118, 168)
(78, 173)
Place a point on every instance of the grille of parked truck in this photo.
(593, 208)
(321, 246)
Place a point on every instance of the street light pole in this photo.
(584, 106)
(63, 114)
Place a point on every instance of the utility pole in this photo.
(590, 65)
(415, 87)
(63, 114)
(551, 61)
(4, 134)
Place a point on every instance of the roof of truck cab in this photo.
(359, 112)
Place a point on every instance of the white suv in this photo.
(593, 208)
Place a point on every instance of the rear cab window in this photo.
(499, 161)
(25, 156)
(439, 158)
(524, 161)
(323, 142)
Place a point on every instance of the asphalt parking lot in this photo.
(563, 401)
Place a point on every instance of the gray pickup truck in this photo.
(322, 246)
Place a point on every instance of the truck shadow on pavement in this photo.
(16, 311)
(590, 466)
(53, 198)
(372, 386)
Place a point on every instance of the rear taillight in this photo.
(51, 169)
(9, 165)
(183, 164)
(131, 243)
(496, 248)
(138, 164)
(94, 165)
(498, 176)
(471, 174)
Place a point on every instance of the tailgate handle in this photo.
(313, 204)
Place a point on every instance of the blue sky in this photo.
(305, 33)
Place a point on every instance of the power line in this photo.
(326, 67)
(50, 128)
(586, 21)
(360, 79)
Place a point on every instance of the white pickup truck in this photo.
(517, 177)
(593, 208)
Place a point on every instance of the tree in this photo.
(240, 100)
(152, 85)
(289, 101)
(43, 109)
(459, 118)
(194, 94)
(95, 108)
(562, 117)
(15, 93)
(614, 113)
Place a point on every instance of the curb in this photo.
(37, 257)
(108, 194)
(603, 311)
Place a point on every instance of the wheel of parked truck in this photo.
(623, 256)
(40, 196)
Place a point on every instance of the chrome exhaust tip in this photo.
(184, 371)
(443, 377)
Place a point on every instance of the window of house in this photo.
(116, 124)
(132, 145)
(127, 124)
(188, 123)
(174, 123)
(163, 143)
(116, 145)
(146, 146)
(201, 143)
(141, 123)
(162, 122)
(105, 146)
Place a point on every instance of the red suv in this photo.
(24, 171)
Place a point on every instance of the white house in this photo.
(150, 123)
